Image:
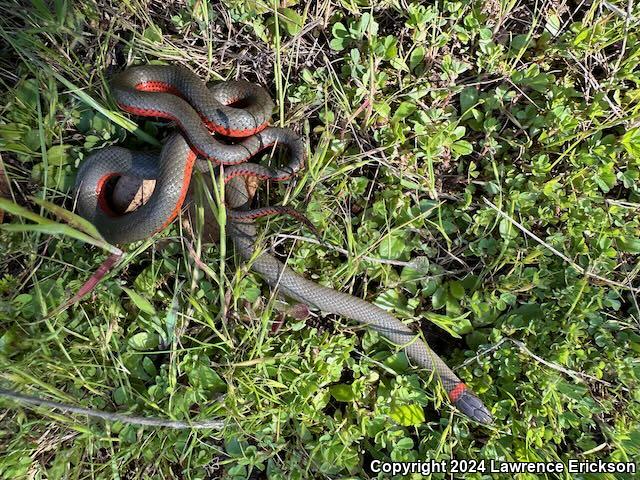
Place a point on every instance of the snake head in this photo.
(468, 403)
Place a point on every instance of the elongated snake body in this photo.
(175, 93)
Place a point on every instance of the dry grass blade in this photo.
(109, 416)
(555, 251)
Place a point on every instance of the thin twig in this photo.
(481, 354)
(622, 203)
(578, 376)
(627, 16)
(108, 416)
(557, 252)
(411, 264)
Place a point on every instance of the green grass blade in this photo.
(76, 221)
(115, 117)
(19, 211)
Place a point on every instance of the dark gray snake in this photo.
(177, 94)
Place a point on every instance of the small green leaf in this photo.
(120, 396)
(468, 99)
(140, 302)
(171, 319)
(404, 110)
(153, 34)
(27, 93)
(291, 20)
(58, 155)
(407, 415)
(398, 362)
(439, 298)
(416, 58)
(207, 378)
(458, 132)
(339, 30)
(462, 147)
(392, 246)
(405, 443)
(340, 37)
(631, 142)
(553, 24)
(7, 341)
(393, 299)
(144, 341)
(342, 392)
(399, 64)
(629, 244)
(456, 289)
(581, 36)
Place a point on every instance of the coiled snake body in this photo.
(177, 94)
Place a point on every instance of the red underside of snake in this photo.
(161, 87)
(177, 94)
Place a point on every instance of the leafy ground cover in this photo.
(473, 168)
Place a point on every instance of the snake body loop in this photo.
(177, 94)
(171, 171)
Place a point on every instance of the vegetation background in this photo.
(473, 168)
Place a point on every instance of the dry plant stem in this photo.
(627, 16)
(578, 376)
(577, 267)
(573, 374)
(108, 416)
(91, 283)
(5, 186)
(398, 263)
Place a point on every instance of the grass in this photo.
(473, 167)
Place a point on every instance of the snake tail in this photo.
(327, 300)
(241, 110)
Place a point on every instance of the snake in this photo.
(203, 114)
